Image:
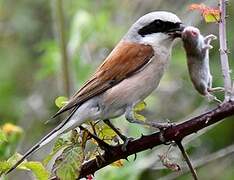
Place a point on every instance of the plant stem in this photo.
(63, 46)
(188, 161)
(232, 97)
(224, 50)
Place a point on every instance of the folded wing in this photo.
(126, 59)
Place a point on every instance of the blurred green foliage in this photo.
(30, 76)
(10, 136)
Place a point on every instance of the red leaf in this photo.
(209, 14)
(199, 7)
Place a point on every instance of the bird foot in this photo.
(126, 141)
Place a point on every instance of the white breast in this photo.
(137, 87)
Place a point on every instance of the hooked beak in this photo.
(176, 32)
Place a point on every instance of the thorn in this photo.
(135, 157)
(126, 159)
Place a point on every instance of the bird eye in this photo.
(160, 25)
(157, 23)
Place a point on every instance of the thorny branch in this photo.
(173, 133)
(224, 50)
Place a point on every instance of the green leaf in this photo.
(58, 145)
(3, 137)
(140, 106)
(105, 132)
(14, 158)
(139, 117)
(36, 167)
(4, 166)
(38, 170)
(68, 164)
(210, 18)
(61, 101)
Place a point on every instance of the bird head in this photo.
(157, 29)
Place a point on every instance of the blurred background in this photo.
(36, 50)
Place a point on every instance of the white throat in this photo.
(157, 40)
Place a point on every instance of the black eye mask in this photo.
(159, 26)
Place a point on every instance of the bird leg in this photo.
(130, 116)
(124, 138)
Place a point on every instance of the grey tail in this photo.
(39, 144)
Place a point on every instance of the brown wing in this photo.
(124, 60)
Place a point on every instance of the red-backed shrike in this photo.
(127, 76)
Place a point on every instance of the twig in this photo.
(224, 50)
(101, 143)
(203, 161)
(232, 97)
(63, 45)
(188, 161)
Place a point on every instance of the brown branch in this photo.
(174, 133)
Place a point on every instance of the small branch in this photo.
(227, 151)
(186, 158)
(63, 45)
(224, 50)
(102, 144)
(232, 97)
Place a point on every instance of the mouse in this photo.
(197, 49)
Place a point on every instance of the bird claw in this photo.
(126, 141)
(162, 127)
(211, 97)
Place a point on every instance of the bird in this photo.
(126, 77)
